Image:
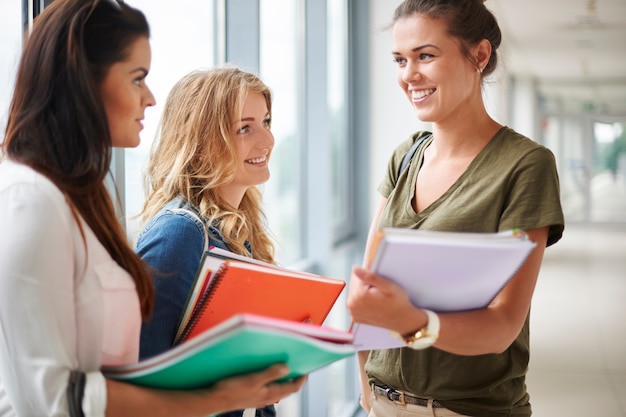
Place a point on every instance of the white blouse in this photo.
(65, 304)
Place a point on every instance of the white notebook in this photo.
(443, 271)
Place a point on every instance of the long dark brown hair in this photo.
(57, 123)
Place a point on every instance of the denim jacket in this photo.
(172, 244)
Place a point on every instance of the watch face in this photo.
(421, 343)
(424, 337)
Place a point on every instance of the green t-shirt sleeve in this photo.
(532, 199)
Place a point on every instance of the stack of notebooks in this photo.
(228, 284)
(244, 315)
(241, 316)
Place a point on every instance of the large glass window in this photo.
(280, 68)
(342, 375)
(10, 48)
(308, 200)
(182, 40)
(341, 160)
(591, 159)
(607, 185)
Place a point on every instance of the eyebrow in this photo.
(418, 48)
(251, 119)
(140, 69)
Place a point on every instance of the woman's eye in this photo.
(267, 123)
(400, 61)
(243, 130)
(425, 57)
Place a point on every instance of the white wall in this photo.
(392, 119)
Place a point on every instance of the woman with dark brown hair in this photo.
(470, 174)
(72, 291)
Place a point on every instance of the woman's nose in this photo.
(149, 99)
(411, 72)
(268, 139)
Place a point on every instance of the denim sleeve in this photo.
(172, 245)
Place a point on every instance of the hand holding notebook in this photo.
(442, 271)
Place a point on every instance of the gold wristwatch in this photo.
(424, 337)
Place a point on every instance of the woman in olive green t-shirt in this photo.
(471, 175)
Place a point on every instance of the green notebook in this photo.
(242, 344)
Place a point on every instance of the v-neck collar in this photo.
(417, 165)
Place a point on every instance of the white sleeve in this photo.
(94, 400)
(38, 336)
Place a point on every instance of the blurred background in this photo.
(338, 114)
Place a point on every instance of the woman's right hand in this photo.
(254, 390)
(373, 299)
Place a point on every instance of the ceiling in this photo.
(575, 49)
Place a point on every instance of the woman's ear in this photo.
(482, 53)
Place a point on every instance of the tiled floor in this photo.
(578, 326)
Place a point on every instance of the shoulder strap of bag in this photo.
(409, 155)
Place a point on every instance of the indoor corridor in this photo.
(578, 325)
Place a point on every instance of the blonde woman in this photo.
(211, 152)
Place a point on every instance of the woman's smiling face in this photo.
(254, 141)
(433, 72)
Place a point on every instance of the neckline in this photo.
(415, 168)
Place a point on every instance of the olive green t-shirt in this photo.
(512, 183)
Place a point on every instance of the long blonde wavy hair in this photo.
(194, 154)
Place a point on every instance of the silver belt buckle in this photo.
(400, 399)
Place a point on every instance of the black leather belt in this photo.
(402, 398)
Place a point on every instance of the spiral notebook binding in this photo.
(202, 304)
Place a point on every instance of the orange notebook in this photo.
(226, 287)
